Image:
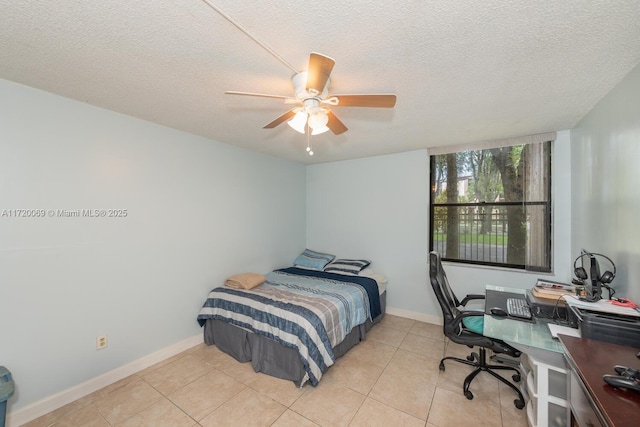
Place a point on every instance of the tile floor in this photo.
(392, 378)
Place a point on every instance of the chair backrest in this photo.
(446, 297)
(437, 272)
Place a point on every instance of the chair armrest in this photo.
(458, 320)
(471, 297)
(470, 313)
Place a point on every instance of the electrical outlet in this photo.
(101, 342)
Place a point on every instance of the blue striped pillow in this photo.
(313, 260)
(347, 266)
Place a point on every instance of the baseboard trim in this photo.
(58, 400)
(421, 317)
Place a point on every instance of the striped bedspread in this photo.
(307, 310)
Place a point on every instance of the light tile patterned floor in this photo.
(392, 378)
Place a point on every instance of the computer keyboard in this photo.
(517, 307)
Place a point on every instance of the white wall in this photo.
(377, 208)
(606, 183)
(197, 211)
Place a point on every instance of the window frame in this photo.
(548, 212)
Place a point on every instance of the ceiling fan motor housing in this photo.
(299, 82)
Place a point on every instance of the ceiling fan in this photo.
(312, 100)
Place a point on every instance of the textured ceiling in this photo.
(463, 70)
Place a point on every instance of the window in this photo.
(492, 206)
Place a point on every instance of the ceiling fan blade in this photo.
(334, 123)
(283, 118)
(262, 95)
(320, 67)
(380, 100)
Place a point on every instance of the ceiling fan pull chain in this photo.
(309, 150)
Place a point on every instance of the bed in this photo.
(296, 323)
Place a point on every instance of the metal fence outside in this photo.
(482, 229)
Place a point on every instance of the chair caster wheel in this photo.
(516, 377)
(470, 358)
(441, 367)
(519, 403)
(468, 395)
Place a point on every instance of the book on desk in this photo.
(552, 292)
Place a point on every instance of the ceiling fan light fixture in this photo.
(318, 131)
(318, 120)
(298, 122)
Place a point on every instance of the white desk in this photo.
(543, 364)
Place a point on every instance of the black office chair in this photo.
(455, 316)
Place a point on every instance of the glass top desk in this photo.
(531, 338)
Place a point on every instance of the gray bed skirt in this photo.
(270, 357)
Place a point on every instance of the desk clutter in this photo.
(614, 320)
(580, 349)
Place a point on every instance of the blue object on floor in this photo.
(6, 391)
